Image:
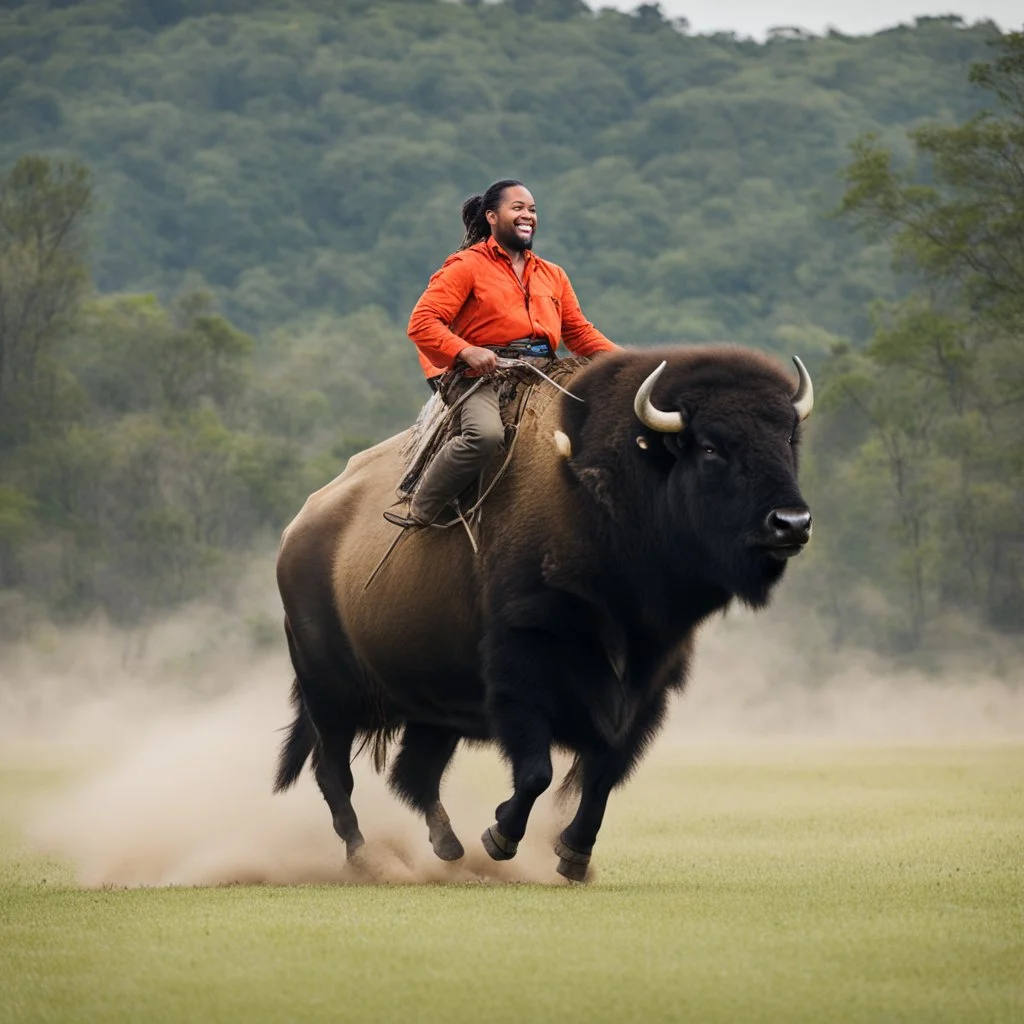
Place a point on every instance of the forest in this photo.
(215, 217)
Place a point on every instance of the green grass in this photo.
(808, 884)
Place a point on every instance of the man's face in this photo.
(514, 223)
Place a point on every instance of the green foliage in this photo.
(130, 354)
(311, 157)
(135, 470)
(169, 442)
(271, 184)
(966, 222)
(43, 278)
(934, 472)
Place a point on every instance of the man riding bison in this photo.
(662, 487)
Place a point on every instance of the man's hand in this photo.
(480, 360)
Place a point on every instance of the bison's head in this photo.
(694, 454)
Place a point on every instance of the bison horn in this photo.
(649, 416)
(803, 400)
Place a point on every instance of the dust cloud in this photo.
(767, 678)
(187, 801)
(164, 745)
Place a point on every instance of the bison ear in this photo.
(679, 444)
(676, 444)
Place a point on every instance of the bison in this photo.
(623, 521)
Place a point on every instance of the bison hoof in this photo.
(353, 845)
(497, 846)
(447, 847)
(572, 864)
(442, 837)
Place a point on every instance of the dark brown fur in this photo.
(577, 619)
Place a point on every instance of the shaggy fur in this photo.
(577, 619)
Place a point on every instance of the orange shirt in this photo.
(476, 299)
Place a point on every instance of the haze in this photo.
(752, 18)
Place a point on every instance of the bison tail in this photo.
(379, 742)
(573, 781)
(297, 746)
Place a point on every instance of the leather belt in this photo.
(536, 347)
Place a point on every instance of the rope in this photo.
(387, 554)
(476, 507)
(508, 364)
(465, 519)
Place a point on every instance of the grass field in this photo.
(771, 884)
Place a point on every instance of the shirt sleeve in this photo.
(578, 333)
(437, 307)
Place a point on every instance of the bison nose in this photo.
(789, 526)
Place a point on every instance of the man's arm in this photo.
(437, 307)
(581, 336)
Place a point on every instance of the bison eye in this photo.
(709, 449)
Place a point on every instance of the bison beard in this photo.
(623, 522)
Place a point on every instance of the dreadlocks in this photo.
(475, 209)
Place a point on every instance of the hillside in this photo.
(303, 157)
(259, 191)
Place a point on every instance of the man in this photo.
(492, 296)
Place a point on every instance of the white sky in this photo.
(754, 17)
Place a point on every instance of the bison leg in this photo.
(602, 772)
(525, 737)
(334, 722)
(334, 776)
(574, 846)
(416, 779)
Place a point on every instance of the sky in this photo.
(853, 17)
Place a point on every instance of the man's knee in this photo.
(485, 437)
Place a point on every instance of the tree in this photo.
(43, 275)
(964, 228)
(941, 385)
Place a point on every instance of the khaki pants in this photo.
(464, 457)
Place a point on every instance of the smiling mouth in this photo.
(524, 229)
